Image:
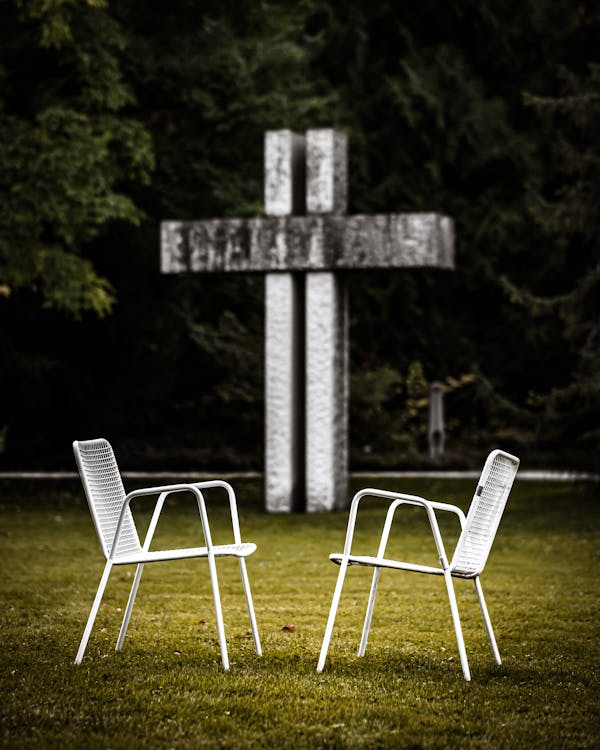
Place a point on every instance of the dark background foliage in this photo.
(114, 116)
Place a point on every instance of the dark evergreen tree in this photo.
(114, 116)
(434, 98)
(568, 213)
(68, 153)
(196, 85)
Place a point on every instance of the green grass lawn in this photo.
(167, 688)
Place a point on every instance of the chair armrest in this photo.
(235, 523)
(163, 492)
(451, 509)
(396, 499)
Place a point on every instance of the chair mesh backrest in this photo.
(484, 514)
(105, 495)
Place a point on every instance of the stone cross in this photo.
(304, 244)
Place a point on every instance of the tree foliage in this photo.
(66, 150)
(568, 211)
(114, 116)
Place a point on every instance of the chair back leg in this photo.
(332, 613)
(369, 615)
(129, 607)
(457, 626)
(247, 592)
(93, 612)
(487, 621)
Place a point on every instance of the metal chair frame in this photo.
(478, 530)
(113, 520)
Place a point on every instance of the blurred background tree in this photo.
(67, 151)
(568, 209)
(114, 116)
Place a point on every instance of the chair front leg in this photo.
(385, 534)
(250, 605)
(332, 613)
(369, 615)
(93, 612)
(218, 610)
(128, 609)
(457, 626)
(212, 567)
(487, 621)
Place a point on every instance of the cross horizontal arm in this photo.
(308, 243)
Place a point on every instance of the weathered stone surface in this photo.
(326, 171)
(326, 322)
(284, 335)
(284, 445)
(326, 392)
(308, 243)
(285, 170)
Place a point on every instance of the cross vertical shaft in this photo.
(326, 335)
(284, 335)
(306, 367)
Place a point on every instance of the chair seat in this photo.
(221, 550)
(382, 562)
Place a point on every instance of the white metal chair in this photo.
(469, 559)
(115, 526)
